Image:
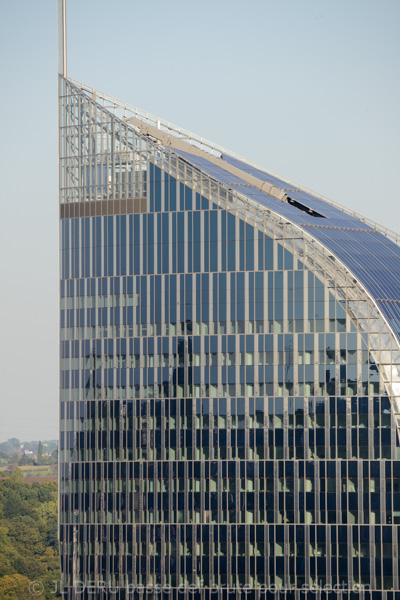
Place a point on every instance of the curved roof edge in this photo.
(125, 110)
(371, 257)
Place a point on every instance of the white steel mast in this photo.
(62, 37)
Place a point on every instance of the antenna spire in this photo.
(62, 37)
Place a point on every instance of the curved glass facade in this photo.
(228, 425)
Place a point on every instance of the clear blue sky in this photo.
(309, 89)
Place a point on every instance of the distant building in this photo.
(27, 452)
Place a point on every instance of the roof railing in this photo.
(112, 103)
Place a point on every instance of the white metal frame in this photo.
(124, 111)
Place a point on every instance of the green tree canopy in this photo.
(28, 537)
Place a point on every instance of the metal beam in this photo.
(172, 141)
(62, 37)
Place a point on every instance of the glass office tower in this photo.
(230, 373)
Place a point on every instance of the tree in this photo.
(10, 446)
(28, 537)
(54, 457)
(14, 587)
(40, 454)
(13, 464)
(4, 458)
(25, 460)
(17, 477)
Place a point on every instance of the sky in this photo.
(310, 90)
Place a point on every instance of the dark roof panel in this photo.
(372, 257)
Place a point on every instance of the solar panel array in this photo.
(368, 254)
